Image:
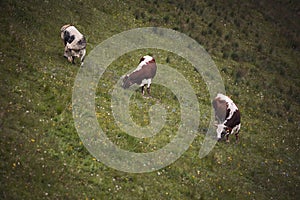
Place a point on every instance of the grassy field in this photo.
(255, 45)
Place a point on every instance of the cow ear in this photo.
(125, 79)
(142, 59)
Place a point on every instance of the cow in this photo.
(228, 117)
(142, 75)
(74, 42)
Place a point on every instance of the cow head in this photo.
(222, 130)
(126, 82)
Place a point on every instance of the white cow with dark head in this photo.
(228, 116)
(142, 75)
(75, 43)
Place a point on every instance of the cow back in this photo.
(146, 72)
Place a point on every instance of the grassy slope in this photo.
(257, 52)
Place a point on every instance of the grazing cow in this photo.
(142, 75)
(228, 117)
(75, 43)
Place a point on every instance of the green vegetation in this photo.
(255, 45)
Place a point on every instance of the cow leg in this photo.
(66, 54)
(70, 59)
(73, 59)
(82, 56)
(143, 92)
(149, 90)
(237, 137)
(82, 59)
(227, 138)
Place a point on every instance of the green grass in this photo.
(254, 45)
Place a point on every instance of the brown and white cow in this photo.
(75, 43)
(142, 75)
(228, 116)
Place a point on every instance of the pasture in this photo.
(255, 46)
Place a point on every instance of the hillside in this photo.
(255, 46)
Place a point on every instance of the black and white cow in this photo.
(75, 43)
(228, 116)
(142, 75)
